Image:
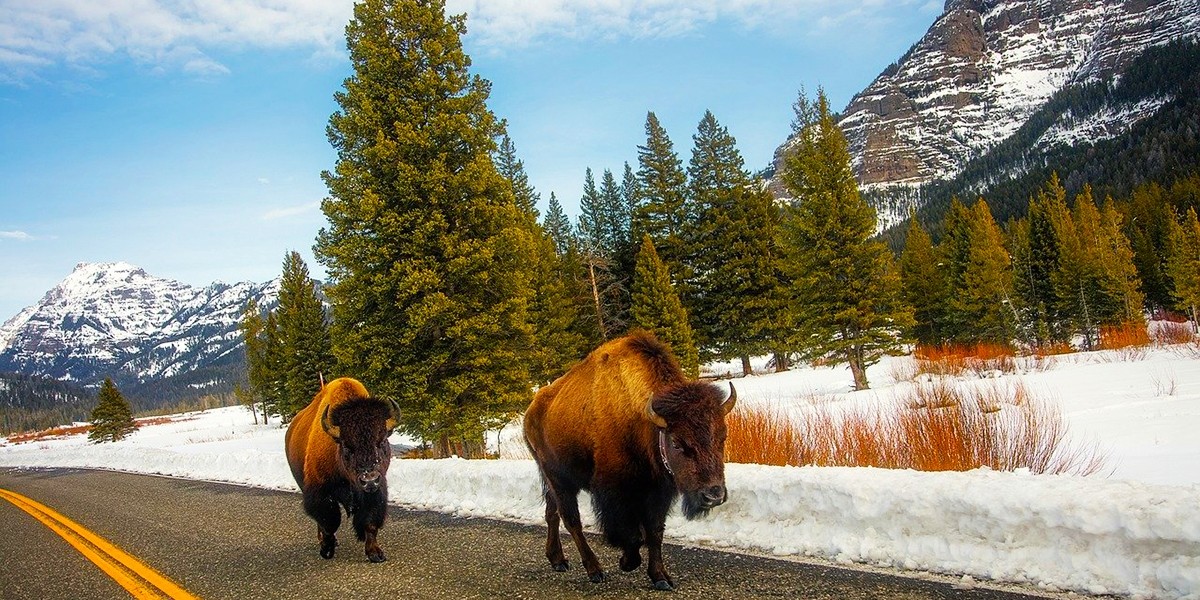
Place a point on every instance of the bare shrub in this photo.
(934, 427)
(1167, 333)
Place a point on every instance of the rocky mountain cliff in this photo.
(115, 320)
(986, 66)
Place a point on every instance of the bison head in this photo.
(361, 428)
(691, 441)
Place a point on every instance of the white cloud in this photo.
(291, 211)
(174, 35)
(20, 236)
(184, 34)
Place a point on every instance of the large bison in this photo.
(339, 453)
(627, 425)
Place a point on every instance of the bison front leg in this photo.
(656, 569)
(367, 522)
(328, 515)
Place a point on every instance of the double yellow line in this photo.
(132, 574)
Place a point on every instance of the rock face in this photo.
(984, 67)
(115, 320)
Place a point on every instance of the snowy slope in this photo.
(114, 319)
(983, 69)
(1135, 533)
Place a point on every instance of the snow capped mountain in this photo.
(115, 320)
(986, 66)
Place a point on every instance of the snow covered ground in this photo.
(1133, 531)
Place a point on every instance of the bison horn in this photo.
(334, 431)
(653, 416)
(393, 420)
(731, 400)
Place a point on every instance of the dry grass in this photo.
(70, 430)
(937, 427)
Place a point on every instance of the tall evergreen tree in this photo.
(661, 211)
(260, 376)
(512, 169)
(557, 225)
(112, 418)
(1119, 278)
(923, 284)
(592, 226)
(1148, 224)
(983, 300)
(1047, 215)
(845, 286)
(426, 247)
(954, 254)
(1183, 265)
(307, 353)
(731, 247)
(656, 307)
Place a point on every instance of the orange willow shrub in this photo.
(936, 427)
(957, 359)
(1114, 337)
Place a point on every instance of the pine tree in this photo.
(557, 225)
(1183, 264)
(656, 308)
(426, 248)
(987, 279)
(924, 285)
(591, 226)
(1147, 226)
(845, 286)
(954, 254)
(512, 169)
(259, 375)
(661, 211)
(306, 353)
(112, 418)
(731, 247)
(1047, 215)
(1118, 271)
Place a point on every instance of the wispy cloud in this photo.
(185, 36)
(291, 211)
(19, 236)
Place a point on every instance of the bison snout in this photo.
(369, 481)
(714, 496)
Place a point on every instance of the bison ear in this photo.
(731, 401)
(394, 419)
(653, 416)
(334, 431)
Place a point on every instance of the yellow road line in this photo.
(133, 575)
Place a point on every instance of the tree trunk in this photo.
(746, 369)
(859, 371)
(596, 299)
(781, 362)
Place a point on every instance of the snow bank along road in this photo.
(220, 541)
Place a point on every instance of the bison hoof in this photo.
(560, 567)
(377, 557)
(664, 586)
(597, 577)
(630, 561)
(327, 553)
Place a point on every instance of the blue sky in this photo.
(188, 137)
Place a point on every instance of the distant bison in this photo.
(343, 462)
(626, 425)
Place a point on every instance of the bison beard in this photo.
(628, 427)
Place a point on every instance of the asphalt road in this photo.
(225, 541)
